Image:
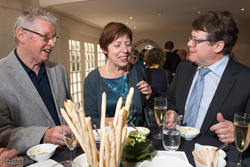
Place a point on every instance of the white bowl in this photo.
(41, 152)
(222, 153)
(146, 131)
(221, 163)
(97, 137)
(189, 133)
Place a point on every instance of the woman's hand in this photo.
(144, 88)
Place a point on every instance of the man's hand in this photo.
(144, 88)
(55, 136)
(171, 117)
(9, 153)
(224, 129)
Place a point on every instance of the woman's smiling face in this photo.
(119, 51)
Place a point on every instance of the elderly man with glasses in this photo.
(32, 88)
(209, 88)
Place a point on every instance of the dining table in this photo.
(231, 151)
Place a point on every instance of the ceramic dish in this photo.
(189, 133)
(41, 152)
(141, 129)
(165, 161)
(222, 153)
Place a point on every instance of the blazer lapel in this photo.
(20, 75)
(53, 81)
(227, 81)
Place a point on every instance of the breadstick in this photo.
(129, 98)
(125, 115)
(124, 135)
(103, 110)
(68, 108)
(85, 136)
(118, 107)
(92, 141)
(102, 146)
(77, 122)
(72, 127)
(107, 149)
(119, 134)
(113, 144)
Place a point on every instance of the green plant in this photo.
(137, 148)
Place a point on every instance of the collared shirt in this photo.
(41, 82)
(212, 80)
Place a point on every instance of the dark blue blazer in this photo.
(232, 94)
(172, 61)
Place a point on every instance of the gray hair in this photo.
(27, 19)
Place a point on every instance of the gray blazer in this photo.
(24, 117)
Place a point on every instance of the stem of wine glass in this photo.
(71, 154)
(160, 126)
(240, 158)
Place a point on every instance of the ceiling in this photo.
(177, 15)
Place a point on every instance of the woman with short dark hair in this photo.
(115, 77)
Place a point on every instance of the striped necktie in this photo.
(193, 105)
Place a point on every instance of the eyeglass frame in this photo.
(45, 37)
(196, 40)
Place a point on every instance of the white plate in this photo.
(49, 162)
(141, 129)
(165, 161)
(222, 153)
(176, 154)
(82, 160)
(180, 155)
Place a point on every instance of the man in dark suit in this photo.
(172, 59)
(226, 89)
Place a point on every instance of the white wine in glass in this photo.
(241, 136)
(69, 138)
(160, 109)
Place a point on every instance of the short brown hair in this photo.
(169, 45)
(220, 26)
(155, 56)
(111, 32)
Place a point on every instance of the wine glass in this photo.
(171, 137)
(241, 136)
(69, 137)
(160, 109)
(67, 164)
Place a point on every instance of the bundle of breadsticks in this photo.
(111, 144)
(206, 157)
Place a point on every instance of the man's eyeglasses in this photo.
(45, 37)
(196, 40)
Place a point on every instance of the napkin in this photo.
(205, 156)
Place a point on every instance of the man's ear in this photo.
(219, 46)
(21, 35)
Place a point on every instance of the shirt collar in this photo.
(219, 66)
(26, 68)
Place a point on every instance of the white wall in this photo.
(9, 10)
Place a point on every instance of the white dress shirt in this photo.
(212, 80)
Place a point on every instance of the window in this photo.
(101, 56)
(89, 57)
(75, 71)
